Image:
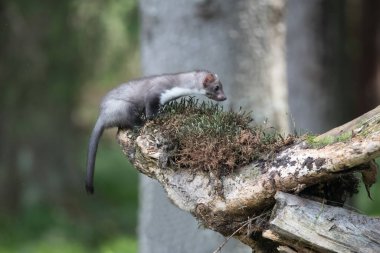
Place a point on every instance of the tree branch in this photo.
(251, 189)
(302, 223)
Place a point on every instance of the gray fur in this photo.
(122, 106)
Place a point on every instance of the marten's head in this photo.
(213, 87)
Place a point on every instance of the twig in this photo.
(237, 230)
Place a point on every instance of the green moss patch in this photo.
(204, 137)
(320, 143)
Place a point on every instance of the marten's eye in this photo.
(216, 88)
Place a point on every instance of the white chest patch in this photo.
(177, 92)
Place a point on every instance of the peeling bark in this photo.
(250, 190)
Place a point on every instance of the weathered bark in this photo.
(301, 223)
(251, 189)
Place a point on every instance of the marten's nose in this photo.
(222, 97)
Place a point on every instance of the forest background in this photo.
(57, 59)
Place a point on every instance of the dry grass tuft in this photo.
(207, 138)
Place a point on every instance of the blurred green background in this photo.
(57, 59)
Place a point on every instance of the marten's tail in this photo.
(91, 155)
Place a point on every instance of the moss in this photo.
(313, 142)
(344, 137)
(367, 128)
(203, 136)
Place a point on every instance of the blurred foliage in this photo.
(363, 203)
(56, 60)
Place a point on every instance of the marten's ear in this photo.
(210, 78)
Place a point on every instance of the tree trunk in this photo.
(368, 85)
(320, 88)
(239, 41)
